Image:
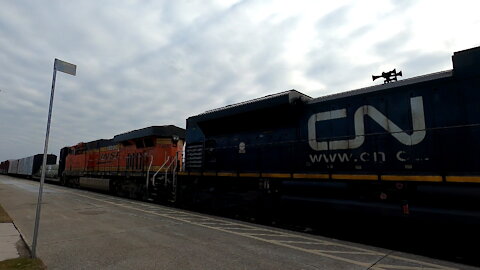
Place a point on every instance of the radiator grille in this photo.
(194, 156)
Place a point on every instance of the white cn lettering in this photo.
(418, 122)
(399, 156)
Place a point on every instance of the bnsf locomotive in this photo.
(131, 164)
(408, 148)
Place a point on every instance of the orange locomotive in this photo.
(129, 164)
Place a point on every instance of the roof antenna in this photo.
(389, 76)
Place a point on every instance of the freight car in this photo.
(4, 166)
(26, 167)
(51, 173)
(13, 166)
(406, 148)
(132, 164)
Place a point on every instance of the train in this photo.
(406, 148)
(26, 167)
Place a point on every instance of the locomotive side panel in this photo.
(244, 138)
(108, 158)
(75, 161)
(429, 128)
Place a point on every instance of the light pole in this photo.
(72, 70)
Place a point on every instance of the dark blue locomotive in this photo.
(405, 148)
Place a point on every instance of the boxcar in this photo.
(30, 166)
(4, 166)
(13, 166)
(407, 148)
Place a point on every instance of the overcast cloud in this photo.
(143, 63)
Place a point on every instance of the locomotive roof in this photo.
(99, 143)
(464, 63)
(370, 89)
(282, 98)
(157, 131)
(289, 96)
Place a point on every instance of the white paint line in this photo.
(350, 252)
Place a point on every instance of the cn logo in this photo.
(418, 122)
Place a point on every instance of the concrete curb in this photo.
(9, 237)
(25, 250)
(12, 242)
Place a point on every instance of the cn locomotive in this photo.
(407, 148)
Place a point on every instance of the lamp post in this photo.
(72, 70)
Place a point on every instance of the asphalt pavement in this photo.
(86, 230)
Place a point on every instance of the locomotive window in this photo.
(149, 142)
(145, 142)
(130, 161)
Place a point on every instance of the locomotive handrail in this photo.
(148, 171)
(161, 167)
(174, 177)
(168, 168)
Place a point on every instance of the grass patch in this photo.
(22, 263)
(4, 217)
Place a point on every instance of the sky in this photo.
(144, 63)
